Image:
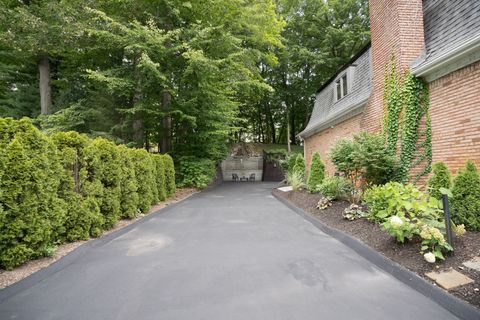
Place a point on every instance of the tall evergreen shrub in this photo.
(83, 217)
(169, 174)
(145, 174)
(104, 177)
(465, 203)
(160, 176)
(440, 179)
(129, 197)
(32, 218)
(317, 172)
(300, 166)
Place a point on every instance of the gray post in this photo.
(448, 219)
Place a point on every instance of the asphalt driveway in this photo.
(233, 252)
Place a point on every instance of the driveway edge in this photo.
(71, 257)
(449, 302)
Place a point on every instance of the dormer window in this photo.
(341, 86)
(343, 83)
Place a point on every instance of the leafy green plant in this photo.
(316, 174)
(465, 203)
(129, 197)
(401, 200)
(194, 172)
(440, 179)
(335, 187)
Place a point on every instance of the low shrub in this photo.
(440, 179)
(194, 172)
(316, 174)
(465, 203)
(335, 187)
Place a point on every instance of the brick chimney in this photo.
(396, 28)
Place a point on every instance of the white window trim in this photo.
(349, 72)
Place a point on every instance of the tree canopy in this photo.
(184, 77)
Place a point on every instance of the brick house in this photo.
(439, 41)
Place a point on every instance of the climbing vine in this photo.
(406, 103)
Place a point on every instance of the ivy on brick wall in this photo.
(406, 103)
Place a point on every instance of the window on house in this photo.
(341, 87)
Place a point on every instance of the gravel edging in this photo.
(451, 303)
(71, 257)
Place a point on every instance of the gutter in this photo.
(470, 46)
(343, 115)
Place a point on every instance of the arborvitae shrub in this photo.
(169, 175)
(144, 172)
(440, 179)
(465, 203)
(160, 176)
(33, 216)
(300, 166)
(317, 173)
(128, 185)
(291, 160)
(83, 217)
(103, 178)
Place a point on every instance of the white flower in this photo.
(396, 222)
(430, 257)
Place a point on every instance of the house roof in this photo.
(449, 29)
(327, 112)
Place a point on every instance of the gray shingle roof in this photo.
(326, 111)
(447, 25)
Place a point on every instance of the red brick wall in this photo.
(323, 141)
(396, 29)
(455, 114)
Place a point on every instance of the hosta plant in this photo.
(324, 203)
(354, 212)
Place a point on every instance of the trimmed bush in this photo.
(440, 179)
(160, 176)
(169, 175)
(83, 217)
(129, 197)
(317, 173)
(466, 197)
(32, 218)
(145, 169)
(68, 187)
(195, 172)
(103, 178)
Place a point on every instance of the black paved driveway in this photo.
(233, 252)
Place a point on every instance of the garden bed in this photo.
(466, 246)
(8, 278)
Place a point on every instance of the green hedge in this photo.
(67, 187)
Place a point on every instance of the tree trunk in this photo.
(166, 136)
(45, 88)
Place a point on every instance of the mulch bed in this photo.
(466, 247)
